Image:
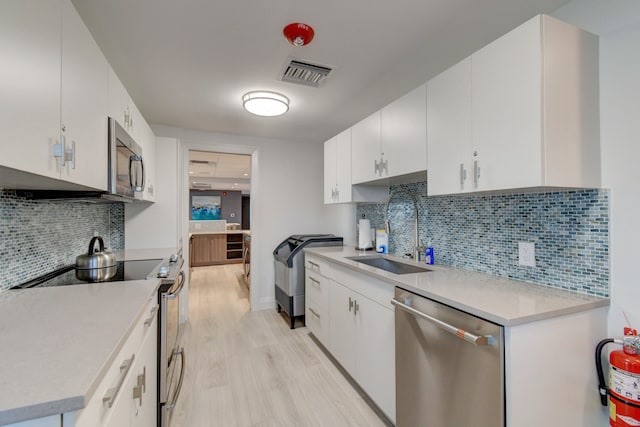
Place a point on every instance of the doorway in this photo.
(219, 208)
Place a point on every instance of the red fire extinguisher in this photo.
(624, 380)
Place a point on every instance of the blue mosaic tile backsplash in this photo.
(37, 237)
(570, 230)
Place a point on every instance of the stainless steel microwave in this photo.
(126, 164)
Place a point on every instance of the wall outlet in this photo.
(527, 254)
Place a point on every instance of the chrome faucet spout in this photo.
(387, 223)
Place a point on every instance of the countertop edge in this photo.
(506, 322)
(41, 410)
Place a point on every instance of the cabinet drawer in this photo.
(374, 289)
(97, 413)
(318, 322)
(317, 289)
(317, 265)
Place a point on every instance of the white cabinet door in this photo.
(343, 166)
(375, 343)
(147, 140)
(30, 76)
(506, 109)
(404, 133)
(449, 131)
(118, 102)
(145, 407)
(330, 168)
(365, 149)
(342, 326)
(84, 102)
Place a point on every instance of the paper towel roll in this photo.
(364, 234)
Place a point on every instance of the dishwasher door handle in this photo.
(460, 333)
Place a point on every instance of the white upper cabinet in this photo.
(366, 149)
(393, 141)
(337, 174)
(337, 169)
(404, 134)
(54, 97)
(147, 140)
(533, 99)
(30, 76)
(119, 106)
(330, 168)
(84, 103)
(449, 130)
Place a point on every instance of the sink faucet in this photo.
(387, 225)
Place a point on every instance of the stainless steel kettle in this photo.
(96, 265)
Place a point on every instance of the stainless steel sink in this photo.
(389, 265)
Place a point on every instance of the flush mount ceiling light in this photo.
(265, 103)
(298, 34)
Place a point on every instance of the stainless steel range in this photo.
(171, 359)
(170, 372)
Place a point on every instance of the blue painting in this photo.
(205, 208)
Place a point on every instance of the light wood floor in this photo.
(249, 369)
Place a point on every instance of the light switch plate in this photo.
(527, 254)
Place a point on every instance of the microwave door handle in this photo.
(142, 172)
(133, 172)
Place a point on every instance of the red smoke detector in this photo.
(298, 34)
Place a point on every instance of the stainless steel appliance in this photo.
(289, 270)
(449, 366)
(126, 165)
(171, 356)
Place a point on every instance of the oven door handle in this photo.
(169, 406)
(181, 280)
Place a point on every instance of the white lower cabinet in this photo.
(361, 333)
(317, 299)
(127, 395)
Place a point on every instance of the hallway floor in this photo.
(249, 369)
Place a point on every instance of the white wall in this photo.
(286, 196)
(155, 225)
(617, 23)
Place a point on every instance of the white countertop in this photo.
(499, 300)
(57, 343)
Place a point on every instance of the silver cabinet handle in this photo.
(356, 307)
(476, 173)
(376, 168)
(314, 312)
(70, 154)
(314, 281)
(463, 174)
(60, 150)
(383, 166)
(148, 321)
(313, 264)
(460, 333)
(111, 394)
(140, 387)
(351, 303)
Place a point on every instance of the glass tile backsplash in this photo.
(37, 237)
(570, 230)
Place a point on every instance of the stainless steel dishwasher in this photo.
(449, 366)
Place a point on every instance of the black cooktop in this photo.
(126, 270)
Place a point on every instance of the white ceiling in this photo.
(219, 171)
(187, 63)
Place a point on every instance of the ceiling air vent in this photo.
(304, 73)
(201, 185)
